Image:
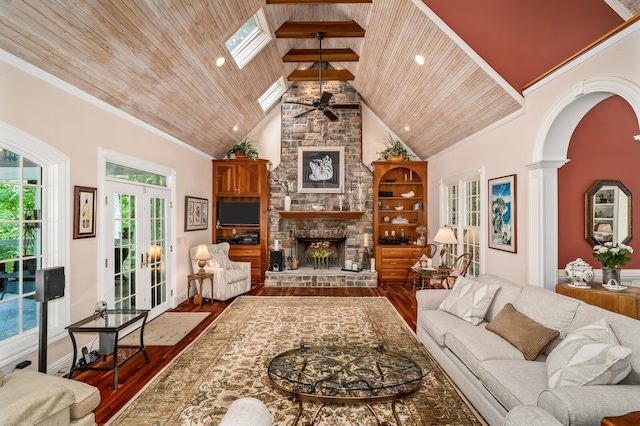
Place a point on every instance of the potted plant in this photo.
(395, 150)
(243, 149)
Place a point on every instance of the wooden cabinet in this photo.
(400, 207)
(239, 177)
(246, 181)
(625, 302)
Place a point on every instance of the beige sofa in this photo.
(31, 398)
(494, 375)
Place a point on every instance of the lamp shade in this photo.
(445, 236)
(202, 253)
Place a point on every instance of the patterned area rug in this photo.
(228, 361)
(166, 330)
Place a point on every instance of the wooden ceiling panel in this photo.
(155, 59)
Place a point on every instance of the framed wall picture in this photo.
(320, 170)
(196, 213)
(84, 212)
(503, 214)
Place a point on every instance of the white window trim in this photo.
(460, 180)
(251, 46)
(56, 239)
(272, 94)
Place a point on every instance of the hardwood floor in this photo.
(135, 374)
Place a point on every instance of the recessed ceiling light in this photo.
(406, 127)
(419, 59)
(235, 128)
(220, 61)
(304, 67)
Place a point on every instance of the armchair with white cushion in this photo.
(230, 278)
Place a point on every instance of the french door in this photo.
(136, 244)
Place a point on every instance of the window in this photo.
(252, 36)
(20, 242)
(272, 94)
(462, 207)
(34, 184)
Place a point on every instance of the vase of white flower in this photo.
(288, 189)
(612, 256)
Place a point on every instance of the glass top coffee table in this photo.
(345, 375)
(108, 327)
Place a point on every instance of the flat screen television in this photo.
(239, 213)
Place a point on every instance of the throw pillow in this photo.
(591, 355)
(469, 300)
(522, 332)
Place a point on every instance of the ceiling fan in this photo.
(322, 104)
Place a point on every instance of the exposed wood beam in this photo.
(314, 75)
(328, 55)
(317, 1)
(309, 29)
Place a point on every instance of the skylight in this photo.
(252, 36)
(272, 94)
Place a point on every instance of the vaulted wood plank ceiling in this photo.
(155, 59)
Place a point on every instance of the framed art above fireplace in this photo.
(320, 169)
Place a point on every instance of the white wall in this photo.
(78, 128)
(508, 148)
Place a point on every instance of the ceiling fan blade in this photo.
(298, 103)
(331, 116)
(326, 97)
(302, 114)
(345, 106)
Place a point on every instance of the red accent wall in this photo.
(601, 147)
(521, 39)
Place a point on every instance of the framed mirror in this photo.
(608, 213)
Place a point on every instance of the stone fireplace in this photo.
(345, 233)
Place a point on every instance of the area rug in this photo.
(166, 329)
(228, 361)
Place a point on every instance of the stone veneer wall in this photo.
(315, 130)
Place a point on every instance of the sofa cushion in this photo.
(589, 356)
(626, 330)
(547, 308)
(469, 300)
(522, 332)
(235, 275)
(437, 323)
(514, 382)
(473, 345)
(29, 398)
(508, 293)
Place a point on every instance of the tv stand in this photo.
(245, 181)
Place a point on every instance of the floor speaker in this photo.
(49, 284)
(276, 260)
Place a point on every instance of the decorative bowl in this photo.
(317, 207)
(399, 208)
(408, 194)
(579, 273)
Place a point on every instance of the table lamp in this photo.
(444, 236)
(202, 255)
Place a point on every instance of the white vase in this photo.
(287, 203)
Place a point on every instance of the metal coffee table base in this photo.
(345, 375)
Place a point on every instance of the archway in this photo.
(550, 153)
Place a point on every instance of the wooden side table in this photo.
(629, 419)
(626, 302)
(200, 278)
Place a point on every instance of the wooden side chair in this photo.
(459, 269)
(428, 250)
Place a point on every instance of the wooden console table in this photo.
(625, 302)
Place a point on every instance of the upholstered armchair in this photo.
(230, 278)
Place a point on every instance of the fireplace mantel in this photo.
(320, 215)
